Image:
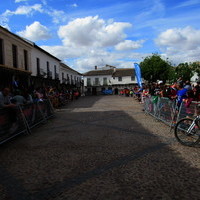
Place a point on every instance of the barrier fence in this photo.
(21, 119)
(167, 110)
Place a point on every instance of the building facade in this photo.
(45, 68)
(70, 77)
(15, 59)
(108, 78)
(24, 62)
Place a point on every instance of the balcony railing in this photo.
(42, 73)
(64, 80)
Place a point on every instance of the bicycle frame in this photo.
(194, 123)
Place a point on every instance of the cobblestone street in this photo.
(100, 147)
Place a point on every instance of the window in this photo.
(96, 81)
(25, 60)
(62, 75)
(14, 53)
(38, 66)
(55, 71)
(120, 78)
(132, 78)
(105, 81)
(88, 81)
(1, 52)
(47, 67)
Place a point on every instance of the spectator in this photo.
(5, 99)
(18, 99)
(197, 92)
(10, 108)
(181, 94)
(28, 97)
(188, 85)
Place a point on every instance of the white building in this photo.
(70, 76)
(45, 67)
(108, 77)
(15, 59)
(32, 65)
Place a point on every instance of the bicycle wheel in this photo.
(182, 135)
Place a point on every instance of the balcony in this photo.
(42, 73)
(64, 80)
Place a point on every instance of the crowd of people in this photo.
(11, 98)
(19, 96)
(180, 91)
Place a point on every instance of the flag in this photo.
(138, 74)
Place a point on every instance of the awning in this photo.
(16, 70)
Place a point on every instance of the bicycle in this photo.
(187, 131)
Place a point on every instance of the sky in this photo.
(88, 33)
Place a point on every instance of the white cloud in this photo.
(186, 38)
(57, 15)
(180, 44)
(129, 45)
(35, 32)
(188, 3)
(92, 31)
(64, 52)
(74, 5)
(17, 1)
(92, 41)
(24, 10)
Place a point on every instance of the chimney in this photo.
(95, 67)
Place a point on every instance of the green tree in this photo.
(184, 70)
(195, 66)
(155, 68)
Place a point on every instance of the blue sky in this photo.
(85, 33)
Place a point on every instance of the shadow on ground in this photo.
(94, 155)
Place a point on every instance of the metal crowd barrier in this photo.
(21, 119)
(189, 110)
(167, 110)
(162, 109)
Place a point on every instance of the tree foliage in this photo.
(184, 70)
(155, 68)
(195, 66)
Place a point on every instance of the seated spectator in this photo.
(18, 99)
(38, 95)
(28, 97)
(10, 109)
(5, 99)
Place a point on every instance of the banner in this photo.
(138, 74)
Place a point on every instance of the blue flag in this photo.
(138, 74)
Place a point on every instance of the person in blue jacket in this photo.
(181, 93)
